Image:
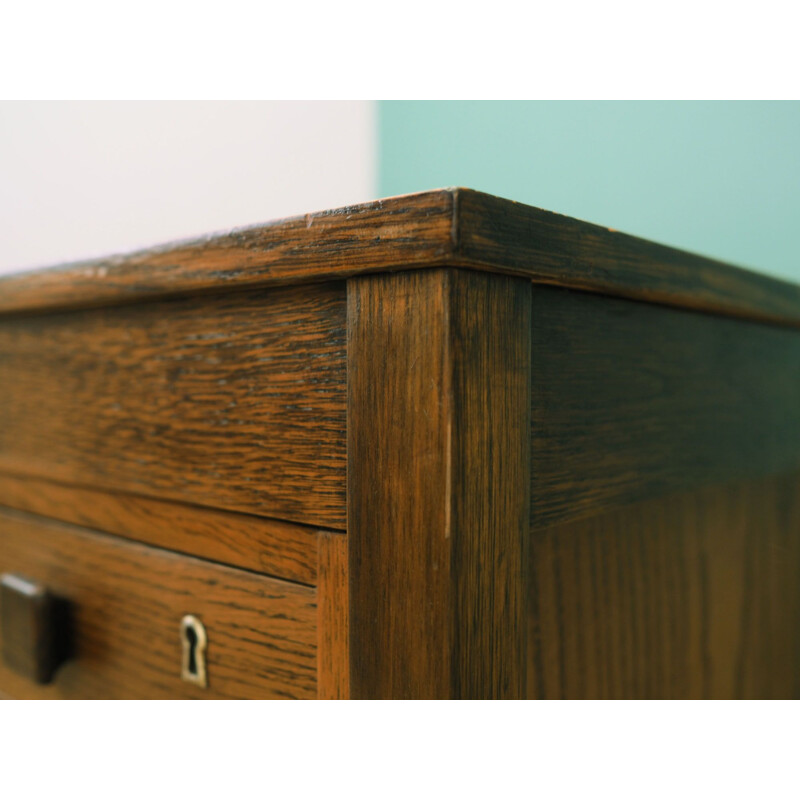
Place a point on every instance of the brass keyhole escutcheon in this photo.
(193, 651)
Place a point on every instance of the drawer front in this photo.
(127, 604)
(234, 401)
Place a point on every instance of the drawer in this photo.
(235, 402)
(128, 601)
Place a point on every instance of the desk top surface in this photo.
(443, 227)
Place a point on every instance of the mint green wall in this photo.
(719, 178)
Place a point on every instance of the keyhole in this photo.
(191, 637)
(193, 651)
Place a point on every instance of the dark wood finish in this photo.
(438, 472)
(456, 227)
(276, 548)
(35, 628)
(632, 401)
(512, 454)
(128, 602)
(552, 249)
(234, 401)
(333, 626)
(399, 232)
(688, 596)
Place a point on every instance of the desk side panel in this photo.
(686, 596)
(632, 401)
(665, 524)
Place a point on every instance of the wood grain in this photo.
(234, 401)
(397, 232)
(333, 626)
(128, 602)
(438, 476)
(685, 596)
(272, 547)
(455, 227)
(633, 400)
(501, 235)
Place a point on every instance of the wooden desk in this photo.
(442, 445)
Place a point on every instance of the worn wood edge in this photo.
(557, 250)
(393, 233)
(333, 631)
(270, 547)
(443, 227)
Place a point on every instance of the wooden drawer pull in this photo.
(36, 628)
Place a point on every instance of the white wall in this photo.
(80, 179)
